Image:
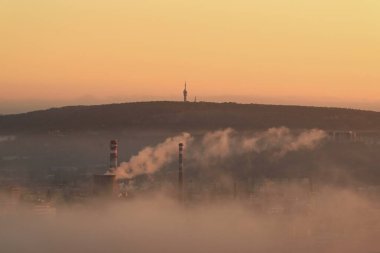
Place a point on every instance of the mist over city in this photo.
(275, 189)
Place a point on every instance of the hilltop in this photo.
(187, 116)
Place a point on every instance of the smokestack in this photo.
(180, 171)
(113, 156)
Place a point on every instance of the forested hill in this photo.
(187, 116)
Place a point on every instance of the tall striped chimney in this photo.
(180, 170)
(113, 156)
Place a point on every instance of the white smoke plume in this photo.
(220, 145)
(151, 159)
(278, 141)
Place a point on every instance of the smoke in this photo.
(280, 141)
(277, 141)
(151, 159)
(219, 146)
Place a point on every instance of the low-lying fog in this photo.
(331, 220)
(271, 191)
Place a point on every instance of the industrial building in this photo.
(104, 184)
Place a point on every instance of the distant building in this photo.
(366, 137)
(343, 136)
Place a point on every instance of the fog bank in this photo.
(332, 220)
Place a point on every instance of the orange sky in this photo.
(104, 50)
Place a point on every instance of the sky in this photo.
(61, 52)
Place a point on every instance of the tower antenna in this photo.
(185, 93)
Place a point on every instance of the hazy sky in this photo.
(55, 52)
